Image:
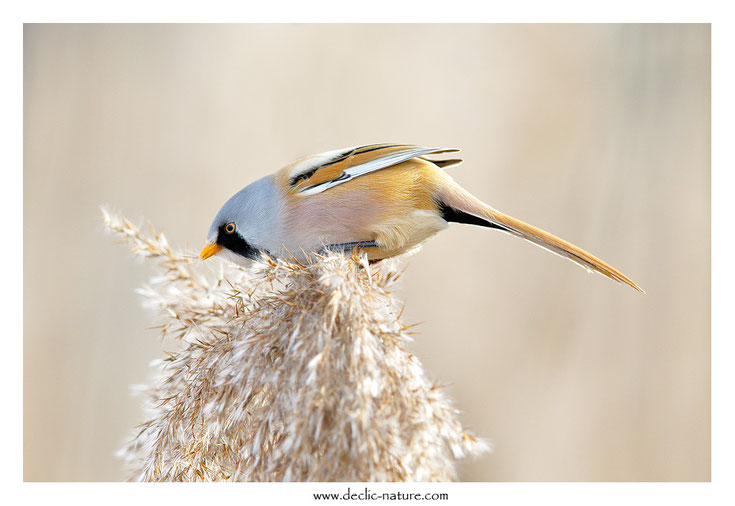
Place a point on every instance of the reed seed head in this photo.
(286, 371)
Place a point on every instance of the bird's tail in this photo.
(460, 206)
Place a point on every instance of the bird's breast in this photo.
(394, 207)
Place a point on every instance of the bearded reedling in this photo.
(383, 199)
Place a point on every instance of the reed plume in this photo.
(286, 371)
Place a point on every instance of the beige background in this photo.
(598, 133)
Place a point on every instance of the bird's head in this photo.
(246, 223)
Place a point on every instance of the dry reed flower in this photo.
(287, 371)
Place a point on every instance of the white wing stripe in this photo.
(371, 166)
(313, 162)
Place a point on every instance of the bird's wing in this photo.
(318, 173)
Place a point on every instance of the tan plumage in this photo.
(390, 198)
(456, 196)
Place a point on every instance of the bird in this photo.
(380, 199)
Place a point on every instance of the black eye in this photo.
(230, 228)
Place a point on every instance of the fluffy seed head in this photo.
(287, 371)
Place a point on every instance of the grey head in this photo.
(247, 225)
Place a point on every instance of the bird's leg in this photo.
(349, 246)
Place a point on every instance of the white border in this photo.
(718, 492)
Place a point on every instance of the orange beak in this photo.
(209, 250)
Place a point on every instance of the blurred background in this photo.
(597, 133)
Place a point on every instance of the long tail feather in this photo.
(458, 201)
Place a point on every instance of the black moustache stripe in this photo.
(235, 243)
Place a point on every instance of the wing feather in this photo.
(321, 172)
